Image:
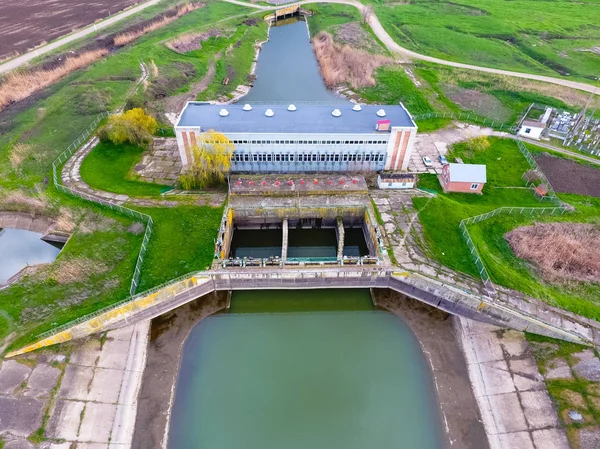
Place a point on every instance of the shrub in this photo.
(133, 126)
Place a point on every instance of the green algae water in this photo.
(331, 374)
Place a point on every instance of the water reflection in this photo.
(287, 69)
(19, 248)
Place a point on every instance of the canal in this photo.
(319, 369)
(20, 248)
(333, 374)
(287, 70)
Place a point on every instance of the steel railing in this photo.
(57, 165)
(469, 117)
(525, 211)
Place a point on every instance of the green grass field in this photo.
(108, 167)
(65, 109)
(441, 216)
(95, 268)
(544, 37)
(498, 98)
(183, 241)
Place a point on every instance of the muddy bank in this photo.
(435, 331)
(167, 335)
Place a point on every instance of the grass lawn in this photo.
(327, 16)
(547, 39)
(502, 99)
(441, 216)
(108, 167)
(504, 163)
(183, 240)
(394, 86)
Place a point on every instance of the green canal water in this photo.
(287, 69)
(316, 369)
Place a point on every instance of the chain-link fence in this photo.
(525, 211)
(147, 219)
(551, 195)
(468, 117)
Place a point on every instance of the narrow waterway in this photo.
(298, 369)
(287, 69)
(19, 248)
(339, 375)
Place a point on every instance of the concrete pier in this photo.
(340, 237)
(284, 242)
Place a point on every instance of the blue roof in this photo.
(306, 119)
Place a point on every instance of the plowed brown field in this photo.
(570, 177)
(27, 24)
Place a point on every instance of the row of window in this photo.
(309, 142)
(277, 157)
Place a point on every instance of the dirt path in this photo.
(175, 104)
(387, 40)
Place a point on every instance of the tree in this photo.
(210, 162)
(133, 126)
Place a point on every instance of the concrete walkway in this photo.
(26, 57)
(516, 409)
(405, 53)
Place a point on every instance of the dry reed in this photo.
(18, 200)
(130, 36)
(191, 41)
(344, 64)
(562, 252)
(19, 152)
(65, 221)
(20, 84)
(77, 269)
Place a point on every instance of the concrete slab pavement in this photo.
(515, 406)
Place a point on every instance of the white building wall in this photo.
(369, 151)
(534, 132)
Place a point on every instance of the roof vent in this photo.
(292, 108)
(336, 113)
(223, 112)
(356, 107)
(381, 113)
(269, 113)
(247, 107)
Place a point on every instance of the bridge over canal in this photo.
(450, 299)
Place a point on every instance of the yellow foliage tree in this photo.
(211, 161)
(133, 126)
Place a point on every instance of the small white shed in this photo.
(531, 129)
(396, 181)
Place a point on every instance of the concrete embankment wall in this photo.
(431, 292)
(20, 220)
(461, 303)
